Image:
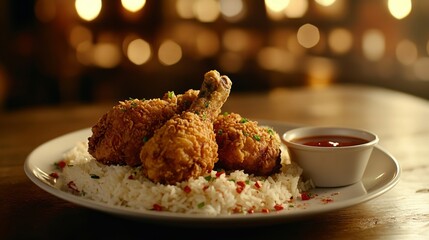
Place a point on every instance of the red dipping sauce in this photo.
(330, 141)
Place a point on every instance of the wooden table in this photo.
(400, 120)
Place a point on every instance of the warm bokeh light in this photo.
(333, 10)
(296, 8)
(276, 5)
(184, 8)
(236, 40)
(421, 68)
(373, 44)
(169, 53)
(138, 51)
(275, 8)
(321, 72)
(399, 8)
(276, 59)
(325, 3)
(84, 53)
(294, 46)
(206, 10)
(340, 40)
(133, 5)
(106, 55)
(308, 35)
(45, 10)
(232, 10)
(406, 52)
(231, 62)
(88, 9)
(207, 43)
(78, 35)
(312, 41)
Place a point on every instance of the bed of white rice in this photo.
(213, 194)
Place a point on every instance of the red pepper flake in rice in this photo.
(61, 164)
(238, 209)
(218, 174)
(240, 186)
(265, 210)
(278, 207)
(257, 185)
(251, 210)
(54, 175)
(307, 196)
(157, 207)
(187, 189)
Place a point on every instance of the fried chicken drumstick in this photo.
(120, 133)
(185, 146)
(244, 145)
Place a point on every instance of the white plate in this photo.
(381, 175)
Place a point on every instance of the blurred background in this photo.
(89, 51)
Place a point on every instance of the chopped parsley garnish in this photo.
(201, 204)
(270, 131)
(257, 137)
(171, 94)
(134, 102)
(244, 120)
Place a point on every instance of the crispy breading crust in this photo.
(120, 133)
(185, 146)
(243, 144)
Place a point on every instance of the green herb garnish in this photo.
(244, 120)
(171, 94)
(201, 205)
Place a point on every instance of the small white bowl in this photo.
(330, 166)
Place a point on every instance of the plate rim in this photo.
(167, 217)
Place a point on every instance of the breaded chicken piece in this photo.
(244, 145)
(119, 135)
(185, 146)
(183, 101)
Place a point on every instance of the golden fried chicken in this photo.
(119, 135)
(185, 146)
(245, 145)
(182, 101)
